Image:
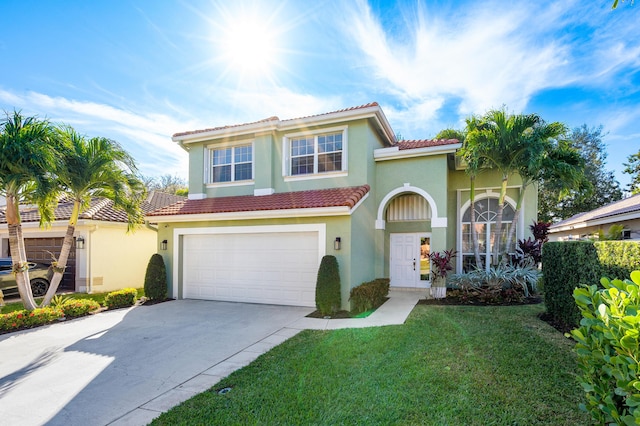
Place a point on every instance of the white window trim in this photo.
(286, 154)
(483, 193)
(208, 164)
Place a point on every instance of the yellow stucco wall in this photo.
(117, 259)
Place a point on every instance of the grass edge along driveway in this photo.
(448, 365)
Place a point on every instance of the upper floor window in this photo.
(231, 164)
(317, 153)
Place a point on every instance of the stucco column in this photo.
(438, 239)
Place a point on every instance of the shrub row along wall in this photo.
(369, 295)
(567, 265)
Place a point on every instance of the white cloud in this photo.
(489, 54)
(485, 58)
(147, 136)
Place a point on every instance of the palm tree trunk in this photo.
(512, 227)
(18, 253)
(61, 263)
(497, 232)
(474, 231)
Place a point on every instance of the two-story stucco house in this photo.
(268, 199)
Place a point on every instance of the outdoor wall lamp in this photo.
(164, 245)
(80, 243)
(337, 244)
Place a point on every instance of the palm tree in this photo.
(501, 142)
(95, 167)
(28, 160)
(468, 153)
(547, 156)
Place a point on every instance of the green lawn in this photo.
(447, 365)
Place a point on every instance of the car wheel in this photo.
(39, 287)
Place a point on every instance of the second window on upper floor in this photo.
(230, 164)
(311, 154)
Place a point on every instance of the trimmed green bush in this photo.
(608, 350)
(369, 295)
(618, 258)
(18, 320)
(567, 265)
(78, 307)
(328, 298)
(121, 298)
(155, 279)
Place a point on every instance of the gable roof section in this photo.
(625, 209)
(334, 201)
(416, 148)
(371, 110)
(424, 143)
(100, 209)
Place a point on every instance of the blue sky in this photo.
(139, 71)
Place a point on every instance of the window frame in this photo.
(488, 227)
(287, 157)
(209, 163)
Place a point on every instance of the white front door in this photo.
(409, 260)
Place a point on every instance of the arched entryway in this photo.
(409, 227)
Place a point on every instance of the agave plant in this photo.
(497, 279)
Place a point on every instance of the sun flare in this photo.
(249, 46)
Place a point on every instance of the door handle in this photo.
(414, 264)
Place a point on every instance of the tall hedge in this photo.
(567, 265)
(155, 279)
(328, 298)
(618, 258)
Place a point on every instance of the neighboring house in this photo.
(268, 199)
(625, 212)
(105, 257)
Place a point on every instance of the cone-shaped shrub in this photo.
(155, 280)
(328, 299)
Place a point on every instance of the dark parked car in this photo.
(39, 274)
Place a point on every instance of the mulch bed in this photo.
(456, 301)
(337, 315)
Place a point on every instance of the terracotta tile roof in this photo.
(270, 119)
(335, 197)
(369, 105)
(425, 143)
(213, 129)
(99, 209)
(624, 206)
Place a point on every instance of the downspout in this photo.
(149, 226)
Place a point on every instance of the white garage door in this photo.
(274, 267)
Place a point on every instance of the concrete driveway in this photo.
(127, 366)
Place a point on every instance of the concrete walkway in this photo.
(123, 368)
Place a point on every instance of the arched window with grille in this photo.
(486, 212)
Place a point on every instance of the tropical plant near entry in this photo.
(608, 350)
(499, 139)
(492, 282)
(474, 165)
(155, 279)
(95, 167)
(442, 263)
(547, 157)
(29, 159)
(328, 297)
(540, 231)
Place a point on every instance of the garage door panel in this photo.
(274, 268)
